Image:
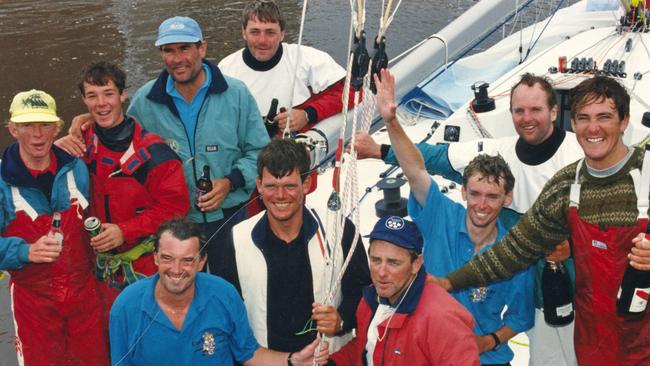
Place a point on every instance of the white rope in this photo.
(385, 20)
(287, 129)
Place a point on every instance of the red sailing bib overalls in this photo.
(601, 336)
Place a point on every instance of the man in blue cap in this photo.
(208, 119)
(403, 319)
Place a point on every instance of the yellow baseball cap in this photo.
(33, 106)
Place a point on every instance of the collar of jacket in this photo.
(159, 94)
(409, 303)
(260, 231)
(15, 173)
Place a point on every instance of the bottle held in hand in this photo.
(204, 184)
(273, 111)
(55, 229)
(632, 298)
(269, 123)
(558, 294)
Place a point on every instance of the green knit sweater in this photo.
(609, 201)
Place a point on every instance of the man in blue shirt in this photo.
(454, 234)
(181, 316)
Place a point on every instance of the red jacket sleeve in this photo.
(326, 103)
(351, 353)
(166, 185)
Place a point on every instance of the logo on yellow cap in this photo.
(33, 106)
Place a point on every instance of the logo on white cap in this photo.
(395, 223)
(177, 26)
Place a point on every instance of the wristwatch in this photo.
(306, 116)
(497, 341)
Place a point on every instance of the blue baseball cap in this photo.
(179, 30)
(398, 231)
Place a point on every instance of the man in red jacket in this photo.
(136, 180)
(403, 319)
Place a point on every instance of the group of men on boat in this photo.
(181, 275)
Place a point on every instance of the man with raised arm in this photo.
(538, 151)
(181, 316)
(454, 234)
(268, 67)
(601, 203)
(403, 319)
(278, 259)
(56, 303)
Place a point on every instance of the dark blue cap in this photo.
(398, 231)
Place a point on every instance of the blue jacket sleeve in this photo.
(252, 138)
(14, 252)
(436, 160)
(520, 315)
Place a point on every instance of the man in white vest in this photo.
(278, 258)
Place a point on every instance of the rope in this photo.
(543, 29)
(287, 130)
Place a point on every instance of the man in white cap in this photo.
(56, 307)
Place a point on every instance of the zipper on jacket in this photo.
(107, 210)
(196, 127)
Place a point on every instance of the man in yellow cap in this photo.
(43, 190)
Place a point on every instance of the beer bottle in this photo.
(557, 294)
(55, 229)
(632, 298)
(271, 126)
(273, 111)
(204, 184)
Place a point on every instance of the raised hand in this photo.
(386, 96)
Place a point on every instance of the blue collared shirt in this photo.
(189, 112)
(215, 330)
(448, 246)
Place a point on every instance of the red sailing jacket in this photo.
(429, 328)
(137, 189)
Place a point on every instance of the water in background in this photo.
(45, 44)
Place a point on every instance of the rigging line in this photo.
(132, 347)
(521, 37)
(538, 10)
(544, 29)
(358, 18)
(335, 233)
(287, 130)
(385, 20)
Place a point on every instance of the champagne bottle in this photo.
(271, 126)
(55, 229)
(632, 298)
(273, 111)
(204, 184)
(558, 294)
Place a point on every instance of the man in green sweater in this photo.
(601, 203)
